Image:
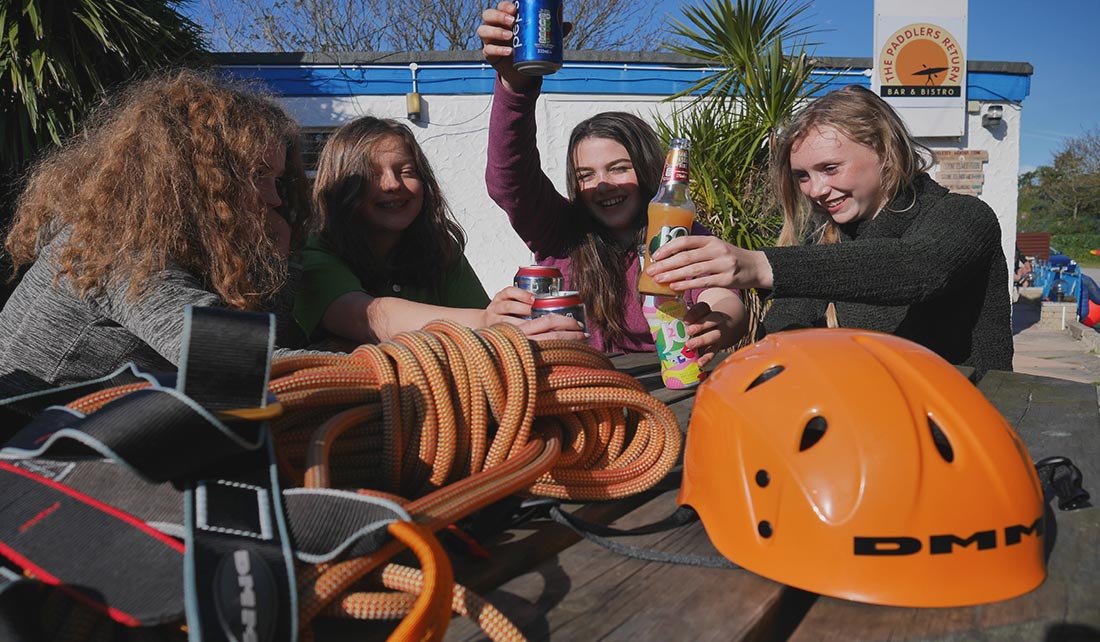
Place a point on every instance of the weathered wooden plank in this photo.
(588, 593)
(1053, 417)
(585, 592)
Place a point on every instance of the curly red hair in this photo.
(164, 173)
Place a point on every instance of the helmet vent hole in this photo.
(941, 442)
(764, 528)
(765, 376)
(812, 433)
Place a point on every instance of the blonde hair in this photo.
(866, 119)
(164, 173)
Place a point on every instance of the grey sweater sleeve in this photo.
(156, 316)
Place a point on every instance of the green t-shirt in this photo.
(326, 277)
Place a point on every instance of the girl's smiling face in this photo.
(607, 184)
(395, 193)
(842, 178)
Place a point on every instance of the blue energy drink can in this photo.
(536, 37)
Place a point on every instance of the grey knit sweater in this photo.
(49, 336)
(933, 272)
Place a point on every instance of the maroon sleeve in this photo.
(542, 217)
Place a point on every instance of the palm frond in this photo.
(733, 113)
(57, 57)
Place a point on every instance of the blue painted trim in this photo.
(635, 78)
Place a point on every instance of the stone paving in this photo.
(1044, 348)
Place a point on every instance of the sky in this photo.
(1061, 40)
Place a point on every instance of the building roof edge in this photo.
(626, 57)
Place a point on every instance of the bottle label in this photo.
(679, 364)
(676, 166)
(664, 235)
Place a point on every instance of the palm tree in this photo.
(57, 57)
(735, 112)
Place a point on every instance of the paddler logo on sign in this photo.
(921, 60)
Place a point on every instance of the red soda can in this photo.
(567, 304)
(538, 279)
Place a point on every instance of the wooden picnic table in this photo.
(555, 586)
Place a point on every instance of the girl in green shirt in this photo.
(389, 256)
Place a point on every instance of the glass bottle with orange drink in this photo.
(671, 212)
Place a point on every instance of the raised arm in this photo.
(513, 174)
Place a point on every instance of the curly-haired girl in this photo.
(182, 190)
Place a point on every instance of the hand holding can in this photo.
(539, 279)
(565, 303)
(537, 37)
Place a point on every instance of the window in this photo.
(313, 140)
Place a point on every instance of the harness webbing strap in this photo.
(158, 432)
(23, 407)
(239, 565)
(226, 358)
(599, 534)
(41, 518)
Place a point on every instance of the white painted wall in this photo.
(454, 134)
(1001, 190)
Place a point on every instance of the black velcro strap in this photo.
(226, 360)
(117, 564)
(239, 575)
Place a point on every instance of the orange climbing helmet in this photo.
(863, 466)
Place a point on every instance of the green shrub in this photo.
(1077, 246)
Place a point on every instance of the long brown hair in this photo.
(863, 117)
(598, 265)
(164, 173)
(434, 241)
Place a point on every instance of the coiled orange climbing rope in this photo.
(446, 421)
(461, 419)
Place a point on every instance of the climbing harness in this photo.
(272, 493)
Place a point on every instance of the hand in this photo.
(510, 305)
(553, 326)
(279, 232)
(495, 32)
(710, 331)
(693, 262)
